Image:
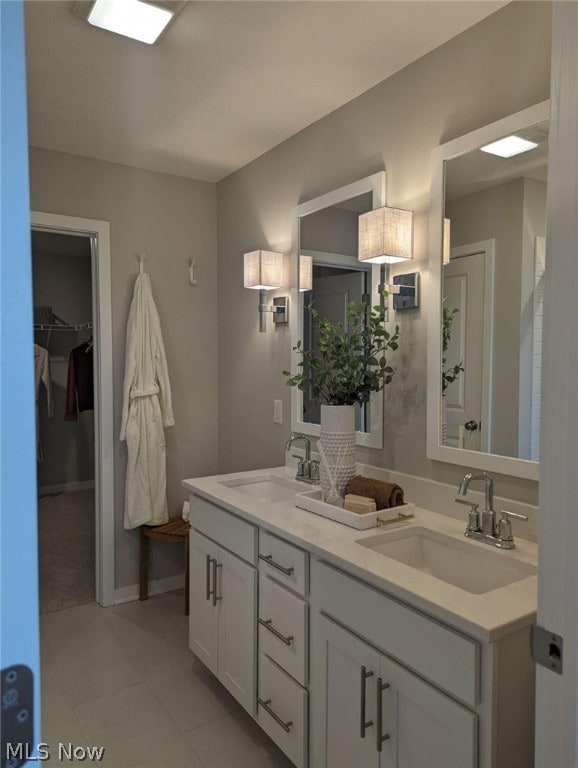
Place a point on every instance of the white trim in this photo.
(75, 485)
(156, 587)
(376, 184)
(506, 465)
(98, 231)
(557, 695)
(488, 248)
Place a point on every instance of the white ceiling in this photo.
(227, 82)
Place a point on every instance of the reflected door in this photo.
(467, 398)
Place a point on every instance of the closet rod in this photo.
(59, 327)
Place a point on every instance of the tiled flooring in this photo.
(124, 678)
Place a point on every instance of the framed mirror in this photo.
(486, 272)
(325, 231)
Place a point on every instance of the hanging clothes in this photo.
(80, 381)
(41, 376)
(146, 410)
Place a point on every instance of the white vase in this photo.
(338, 441)
(444, 435)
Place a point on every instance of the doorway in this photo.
(95, 236)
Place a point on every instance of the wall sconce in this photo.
(446, 242)
(305, 272)
(386, 236)
(263, 271)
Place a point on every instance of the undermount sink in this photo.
(265, 487)
(454, 561)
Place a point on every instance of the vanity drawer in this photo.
(226, 529)
(283, 627)
(286, 563)
(437, 653)
(282, 711)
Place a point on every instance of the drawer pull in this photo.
(268, 624)
(208, 578)
(215, 566)
(381, 737)
(363, 724)
(265, 704)
(269, 559)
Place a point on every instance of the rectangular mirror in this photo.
(487, 262)
(326, 230)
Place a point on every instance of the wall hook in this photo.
(192, 270)
(141, 260)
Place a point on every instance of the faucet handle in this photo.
(506, 514)
(505, 526)
(473, 514)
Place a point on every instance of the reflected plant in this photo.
(449, 375)
(349, 361)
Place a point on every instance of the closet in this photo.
(63, 317)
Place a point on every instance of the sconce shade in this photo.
(305, 272)
(386, 236)
(263, 270)
(446, 242)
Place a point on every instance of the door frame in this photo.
(488, 248)
(99, 234)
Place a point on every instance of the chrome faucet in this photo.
(484, 528)
(307, 470)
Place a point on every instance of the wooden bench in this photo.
(176, 530)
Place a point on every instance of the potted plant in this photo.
(451, 373)
(347, 365)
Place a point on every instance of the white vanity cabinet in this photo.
(375, 714)
(223, 599)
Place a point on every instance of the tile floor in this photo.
(124, 678)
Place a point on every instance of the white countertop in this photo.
(486, 617)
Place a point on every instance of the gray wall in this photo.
(494, 69)
(63, 282)
(172, 219)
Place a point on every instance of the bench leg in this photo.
(144, 567)
(186, 575)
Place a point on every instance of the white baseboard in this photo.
(75, 485)
(156, 587)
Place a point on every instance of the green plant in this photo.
(348, 363)
(450, 374)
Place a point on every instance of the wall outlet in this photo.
(278, 411)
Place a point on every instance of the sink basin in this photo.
(454, 561)
(265, 487)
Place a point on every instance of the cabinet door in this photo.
(204, 611)
(237, 599)
(343, 698)
(426, 728)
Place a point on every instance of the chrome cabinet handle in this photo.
(363, 724)
(208, 578)
(381, 737)
(269, 559)
(215, 566)
(285, 725)
(268, 624)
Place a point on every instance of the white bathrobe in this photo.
(146, 410)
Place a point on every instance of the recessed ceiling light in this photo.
(508, 147)
(131, 18)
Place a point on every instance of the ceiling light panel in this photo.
(509, 146)
(131, 18)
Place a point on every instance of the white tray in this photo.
(312, 502)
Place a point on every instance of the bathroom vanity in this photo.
(341, 643)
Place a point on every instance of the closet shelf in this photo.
(62, 327)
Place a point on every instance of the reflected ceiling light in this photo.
(305, 272)
(263, 271)
(132, 18)
(509, 146)
(386, 236)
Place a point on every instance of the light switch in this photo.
(278, 411)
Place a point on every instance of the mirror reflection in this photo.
(330, 237)
(495, 212)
